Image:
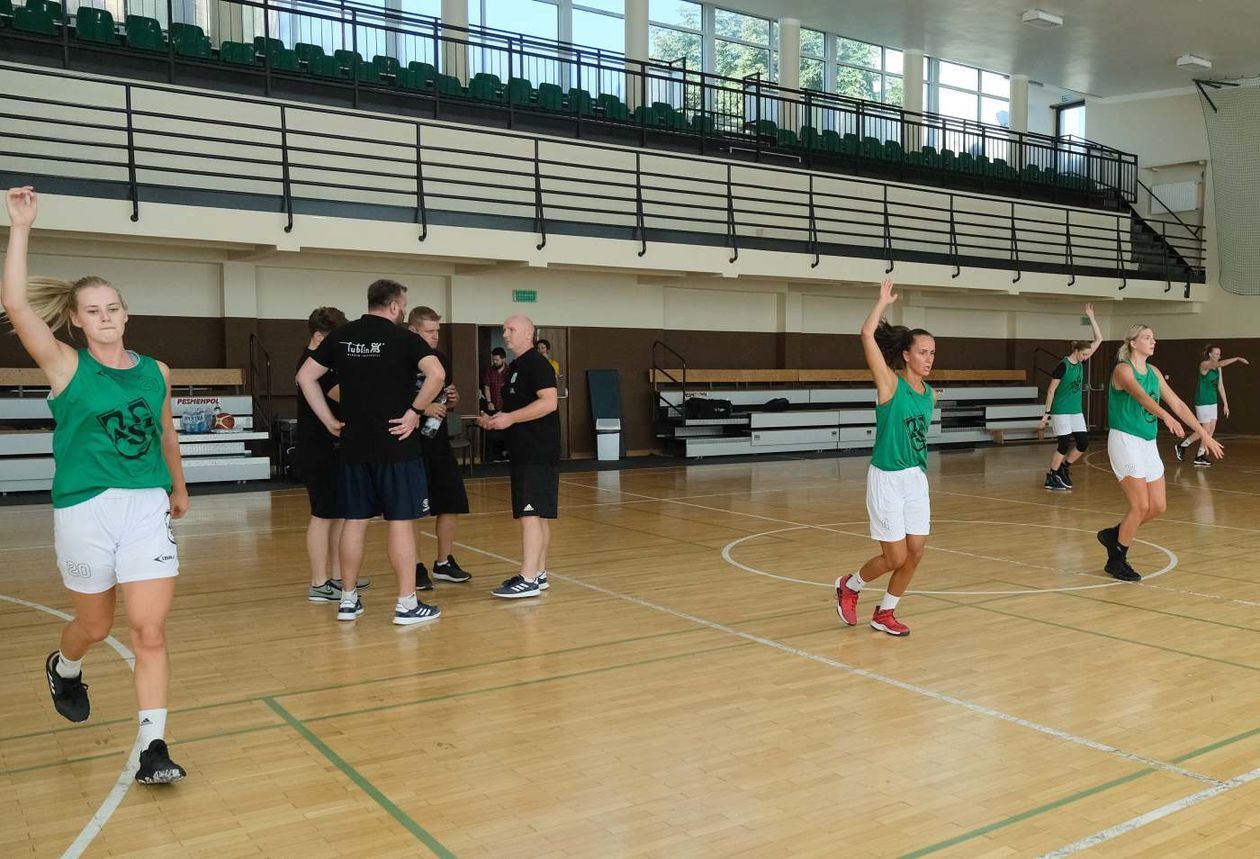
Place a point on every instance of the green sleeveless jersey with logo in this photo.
(108, 431)
(1067, 397)
(1126, 414)
(901, 427)
(1207, 394)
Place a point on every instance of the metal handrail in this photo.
(658, 368)
(1193, 230)
(260, 370)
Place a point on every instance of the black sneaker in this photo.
(156, 766)
(543, 584)
(1118, 568)
(423, 582)
(1202, 461)
(347, 610)
(1054, 483)
(1065, 475)
(517, 587)
(1110, 537)
(70, 696)
(422, 613)
(1178, 451)
(449, 571)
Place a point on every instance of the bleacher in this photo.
(653, 103)
(26, 462)
(832, 410)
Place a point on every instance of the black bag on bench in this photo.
(703, 408)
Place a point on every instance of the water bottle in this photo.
(432, 422)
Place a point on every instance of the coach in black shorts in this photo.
(376, 360)
(447, 497)
(533, 437)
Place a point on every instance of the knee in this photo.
(1156, 507)
(148, 636)
(914, 554)
(894, 556)
(1065, 444)
(96, 630)
(1082, 441)
(1142, 507)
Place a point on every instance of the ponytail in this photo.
(54, 300)
(894, 340)
(1207, 351)
(1126, 348)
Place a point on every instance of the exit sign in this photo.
(525, 296)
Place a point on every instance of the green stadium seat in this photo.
(426, 75)
(999, 169)
(6, 12)
(50, 7)
(893, 151)
(644, 116)
(283, 59)
(95, 25)
(238, 53)
(408, 79)
(948, 161)
(34, 21)
(613, 107)
(369, 73)
(486, 87)
(872, 148)
(787, 137)
(190, 41)
(1050, 176)
(930, 157)
(809, 137)
(580, 102)
(263, 45)
(850, 145)
(450, 85)
(766, 128)
(981, 165)
(702, 123)
(144, 33)
(1031, 173)
(520, 92)
(550, 97)
(347, 60)
(831, 141)
(387, 66)
(325, 66)
(306, 53)
(965, 163)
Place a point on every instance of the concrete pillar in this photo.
(637, 50)
(1019, 103)
(454, 59)
(790, 71)
(913, 136)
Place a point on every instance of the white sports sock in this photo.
(1202, 450)
(409, 602)
(351, 594)
(889, 602)
(67, 669)
(152, 726)
(855, 582)
(1183, 443)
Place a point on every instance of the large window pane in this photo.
(955, 75)
(528, 17)
(618, 6)
(679, 12)
(813, 43)
(605, 32)
(998, 85)
(813, 74)
(995, 111)
(733, 25)
(960, 104)
(736, 61)
(893, 61)
(432, 8)
(859, 53)
(669, 45)
(894, 91)
(858, 83)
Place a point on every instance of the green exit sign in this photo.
(525, 296)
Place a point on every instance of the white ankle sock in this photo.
(889, 602)
(855, 582)
(408, 602)
(67, 669)
(152, 726)
(351, 595)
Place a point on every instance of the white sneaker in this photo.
(350, 609)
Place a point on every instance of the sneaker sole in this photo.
(444, 577)
(843, 619)
(520, 596)
(162, 777)
(413, 621)
(346, 618)
(883, 628)
(323, 599)
(1204, 464)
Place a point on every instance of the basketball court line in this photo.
(864, 673)
(1089, 461)
(128, 775)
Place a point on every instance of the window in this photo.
(967, 93)
(1070, 120)
(742, 44)
(597, 29)
(674, 32)
(870, 72)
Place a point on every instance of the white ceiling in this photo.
(1104, 48)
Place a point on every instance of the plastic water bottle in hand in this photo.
(432, 422)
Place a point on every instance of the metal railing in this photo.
(254, 153)
(711, 106)
(658, 369)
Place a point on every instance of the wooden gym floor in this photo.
(684, 688)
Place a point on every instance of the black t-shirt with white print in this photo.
(376, 363)
(315, 444)
(536, 441)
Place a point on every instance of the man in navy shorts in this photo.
(376, 361)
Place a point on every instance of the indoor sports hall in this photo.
(942, 311)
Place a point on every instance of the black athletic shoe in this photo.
(70, 697)
(1110, 537)
(423, 582)
(156, 766)
(1178, 451)
(1118, 568)
(517, 588)
(1065, 475)
(450, 571)
(1054, 482)
(1202, 461)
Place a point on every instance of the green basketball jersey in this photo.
(1124, 413)
(1067, 397)
(1207, 393)
(901, 427)
(108, 431)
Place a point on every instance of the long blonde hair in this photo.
(1126, 348)
(54, 300)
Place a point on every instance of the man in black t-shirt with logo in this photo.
(376, 360)
(447, 497)
(533, 436)
(317, 458)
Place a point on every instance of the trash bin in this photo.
(608, 439)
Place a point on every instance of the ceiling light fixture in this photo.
(1190, 61)
(1042, 19)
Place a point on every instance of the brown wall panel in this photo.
(179, 341)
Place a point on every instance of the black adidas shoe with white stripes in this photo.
(69, 695)
(517, 587)
(156, 766)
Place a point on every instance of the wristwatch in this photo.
(420, 412)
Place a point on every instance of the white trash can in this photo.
(608, 439)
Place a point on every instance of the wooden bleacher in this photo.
(26, 462)
(833, 409)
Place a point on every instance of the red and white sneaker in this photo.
(885, 622)
(846, 600)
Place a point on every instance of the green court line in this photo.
(1177, 615)
(360, 781)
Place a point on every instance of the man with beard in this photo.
(376, 361)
